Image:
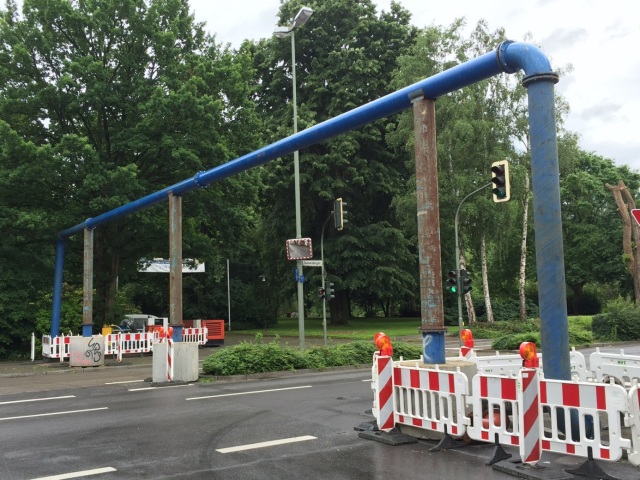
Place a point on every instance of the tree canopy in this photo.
(104, 102)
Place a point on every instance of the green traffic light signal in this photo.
(452, 282)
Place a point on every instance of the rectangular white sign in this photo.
(161, 265)
(312, 263)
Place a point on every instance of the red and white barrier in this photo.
(124, 343)
(591, 403)
(432, 399)
(169, 359)
(494, 397)
(56, 347)
(382, 384)
(195, 335)
(585, 419)
(529, 415)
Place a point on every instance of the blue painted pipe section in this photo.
(545, 177)
(433, 347)
(509, 57)
(57, 289)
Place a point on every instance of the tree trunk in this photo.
(485, 279)
(471, 312)
(339, 309)
(522, 275)
(629, 247)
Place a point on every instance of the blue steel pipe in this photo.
(509, 57)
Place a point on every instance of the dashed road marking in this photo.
(271, 443)
(248, 393)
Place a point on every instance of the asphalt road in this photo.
(210, 431)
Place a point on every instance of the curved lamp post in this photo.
(281, 32)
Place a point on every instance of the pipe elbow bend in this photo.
(514, 56)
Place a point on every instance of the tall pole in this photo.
(458, 281)
(324, 275)
(428, 210)
(296, 171)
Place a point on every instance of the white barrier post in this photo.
(529, 415)
(33, 346)
(169, 359)
(61, 347)
(383, 392)
(119, 347)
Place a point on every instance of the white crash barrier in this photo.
(198, 335)
(634, 423)
(510, 364)
(434, 399)
(56, 347)
(527, 410)
(624, 369)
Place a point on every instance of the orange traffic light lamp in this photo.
(383, 342)
(529, 355)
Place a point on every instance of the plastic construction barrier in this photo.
(383, 399)
(430, 398)
(584, 419)
(624, 369)
(124, 343)
(194, 334)
(589, 407)
(494, 400)
(510, 364)
(56, 347)
(634, 423)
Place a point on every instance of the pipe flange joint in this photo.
(501, 55)
(541, 77)
(197, 178)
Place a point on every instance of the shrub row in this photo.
(256, 357)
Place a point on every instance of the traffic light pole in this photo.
(324, 274)
(458, 280)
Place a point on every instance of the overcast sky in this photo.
(597, 37)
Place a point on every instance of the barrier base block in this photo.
(371, 426)
(394, 437)
(591, 469)
(520, 470)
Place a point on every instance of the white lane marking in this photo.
(37, 399)
(54, 413)
(158, 388)
(271, 443)
(84, 473)
(248, 393)
(124, 381)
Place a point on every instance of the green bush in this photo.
(512, 342)
(620, 322)
(257, 357)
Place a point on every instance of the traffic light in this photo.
(452, 282)
(330, 292)
(465, 282)
(321, 293)
(500, 178)
(338, 213)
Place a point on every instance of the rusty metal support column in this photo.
(431, 308)
(87, 284)
(175, 265)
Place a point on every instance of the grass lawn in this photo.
(358, 328)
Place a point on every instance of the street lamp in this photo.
(281, 32)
